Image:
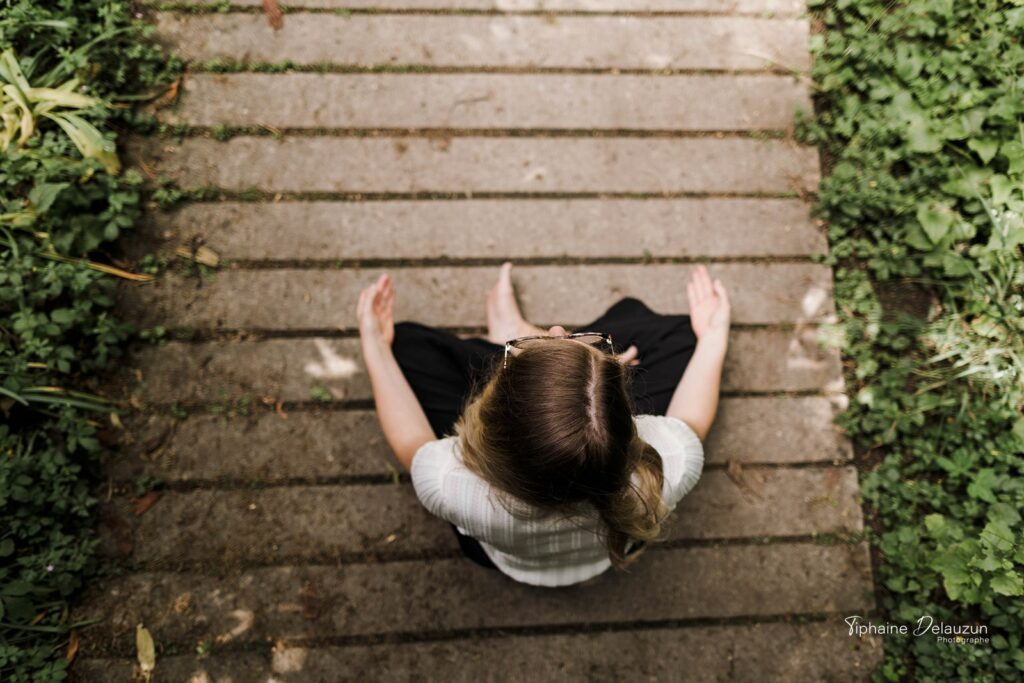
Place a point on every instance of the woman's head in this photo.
(554, 428)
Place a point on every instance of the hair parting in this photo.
(554, 429)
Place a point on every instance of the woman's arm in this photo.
(695, 400)
(402, 419)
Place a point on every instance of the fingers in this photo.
(720, 291)
(699, 288)
(382, 289)
(377, 298)
(704, 282)
(629, 356)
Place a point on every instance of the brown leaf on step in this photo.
(274, 16)
(72, 646)
(146, 502)
(183, 603)
(735, 472)
(169, 96)
(310, 603)
(747, 484)
(201, 254)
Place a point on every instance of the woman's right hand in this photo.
(709, 305)
(376, 312)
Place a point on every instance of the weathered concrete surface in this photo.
(466, 165)
(302, 523)
(219, 374)
(701, 42)
(328, 507)
(707, 654)
(290, 298)
(264, 447)
(475, 101)
(717, 6)
(426, 597)
(316, 445)
(492, 228)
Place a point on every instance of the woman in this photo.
(553, 456)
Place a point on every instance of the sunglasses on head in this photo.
(598, 340)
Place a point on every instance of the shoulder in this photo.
(448, 489)
(682, 454)
(430, 466)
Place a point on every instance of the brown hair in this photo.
(554, 429)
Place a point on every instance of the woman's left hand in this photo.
(376, 311)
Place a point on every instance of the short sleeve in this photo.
(682, 454)
(430, 465)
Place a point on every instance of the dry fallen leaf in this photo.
(146, 502)
(735, 472)
(169, 96)
(72, 646)
(274, 16)
(201, 254)
(145, 650)
(183, 603)
(310, 603)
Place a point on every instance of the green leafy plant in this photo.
(64, 67)
(920, 114)
(21, 104)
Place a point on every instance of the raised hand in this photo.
(629, 356)
(376, 312)
(709, 305)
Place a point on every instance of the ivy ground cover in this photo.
(920, 119)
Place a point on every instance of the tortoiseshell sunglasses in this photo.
(597, 339)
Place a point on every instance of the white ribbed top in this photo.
(543, 550)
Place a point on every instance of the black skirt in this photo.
(445, 371)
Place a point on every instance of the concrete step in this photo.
(530, 42)
(444, 595)
(485, 228)
(291, 299)
(222, 374)
(482, 101)
(319, 523)
(708, 654)
(764, 7)
(469, 165)
(331, 444)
